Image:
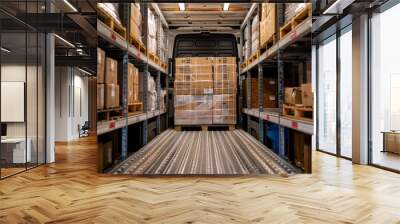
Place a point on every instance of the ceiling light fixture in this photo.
(65, 41)
(5, 50)
(84, 71)
(70, 5)
(182, 6)
(226, 6)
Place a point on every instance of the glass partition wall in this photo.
(334, 94)
(22, 77)
(385, 89)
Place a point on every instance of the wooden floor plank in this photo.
(71, 191)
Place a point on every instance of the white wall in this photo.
(71, 103)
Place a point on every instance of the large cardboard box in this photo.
(135, 32)
(269, 90)
(136, 15)
(101, 57)
(111, 96)
(100, 96)
(110, 76)
(307, 96)
(225, 60)
(267, 24)
(130, 83)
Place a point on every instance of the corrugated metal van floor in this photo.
(204, 153)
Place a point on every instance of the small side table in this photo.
(391, 141)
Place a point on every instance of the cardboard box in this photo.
(193, 88)
(307, 96)
(268, 10)
(136, 15)
(191, 109)
(225, 87)
(101, 57)
(100, 96)
(110, 76)
(135, 32)
(225, 60)
(269, 90)
(111, 95)
(293, 95)
(130, 83)
(224, 109)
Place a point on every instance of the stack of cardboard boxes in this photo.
(136, 21)
(267, 23)
(107, 82)
(152, 32)
(205, 90)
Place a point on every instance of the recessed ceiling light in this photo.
(65, 41)
(226, 6)
(70, 5)
(5, 50)
(182, 6)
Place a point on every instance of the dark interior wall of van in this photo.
(205, 45)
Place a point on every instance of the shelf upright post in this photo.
(125, 60)
(145, 73)
(158, 87)
(261, 101)
(240, 80)
(248, 77)
(279, 23)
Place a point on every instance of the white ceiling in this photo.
(205, 16)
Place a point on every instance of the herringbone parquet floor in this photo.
(70, 191)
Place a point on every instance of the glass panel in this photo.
(31, 98)
(327, 96)
(14, 153)
(41, 99)
(385, 84)
(346, 94)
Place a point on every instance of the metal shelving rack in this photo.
(272, 54)
(131, 54)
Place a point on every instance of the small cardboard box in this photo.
(111, 71)
(293, 95)
(101, 56)
(100, 96)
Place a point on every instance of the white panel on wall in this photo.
(12, 101)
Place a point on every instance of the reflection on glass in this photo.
(15, 149)
(346, 94)
(327, 96)
(385, 84)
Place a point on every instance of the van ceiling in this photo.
(205, 16)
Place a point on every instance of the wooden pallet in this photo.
(164, 65)
(295, 21)
(152, 56)
(298, 112)
(111, 22)
(268, 44)
(253, 57)
(134, 108)
(205, 127)
(243, 65)
(109, 114)
(138, 44)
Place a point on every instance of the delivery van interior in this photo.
(204, 88)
